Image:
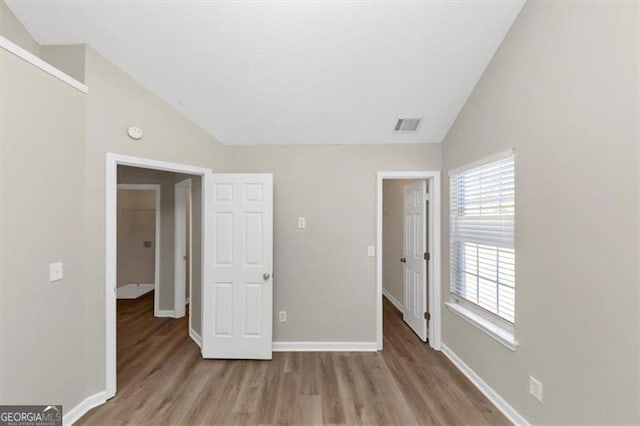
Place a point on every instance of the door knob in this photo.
(266, 276)
(403, 260)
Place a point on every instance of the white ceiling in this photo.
(292, 72)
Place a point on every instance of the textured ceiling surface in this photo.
(292, 72)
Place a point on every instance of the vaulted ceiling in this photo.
(292, 72)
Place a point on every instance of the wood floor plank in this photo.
(162, 379)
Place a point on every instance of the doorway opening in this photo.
(408, 251)
(176, 240)
(154, 246)
(160, 205)
(405, 245)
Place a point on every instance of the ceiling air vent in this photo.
(407, 125)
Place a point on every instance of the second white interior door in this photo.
(414, 263)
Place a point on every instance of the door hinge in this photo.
(427, 256)
(427, 316)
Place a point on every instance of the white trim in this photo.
(139, 186)
(435, 325)
(21, 53)
(145, 163)
(179, 216)
(491, 158)
(111, 261)
(165, 313)
(493, 396)
(111, 187)
(207, 240)
(195, 337)
(81, 409)
(156, 274)
(134, 290)
(392, 299)
(498, 333)
(325, 346)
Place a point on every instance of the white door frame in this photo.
(111, 194)
(435, 249)
(156, 274)
(180, 217)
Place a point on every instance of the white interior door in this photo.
(238, 291)
(415, 265)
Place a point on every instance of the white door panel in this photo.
(415, 246)
(237, 308)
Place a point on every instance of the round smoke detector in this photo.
(134, 133)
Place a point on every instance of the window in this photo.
(482, 239)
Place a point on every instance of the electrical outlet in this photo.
(55, 271)
(535, 388)
(302, 223)
(282, 316)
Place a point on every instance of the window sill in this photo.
(493, 330)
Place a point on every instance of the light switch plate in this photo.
(371, 251)
(55, 271)
(302, 223)
(282, 316)
(535, 388)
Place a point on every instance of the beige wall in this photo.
(43, 352)
(322, 275)
(136, 224)
(393, 236)
(13, 30)
(69, 59)
(563, 90)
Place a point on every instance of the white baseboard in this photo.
(393, 300)
(81, 409)
(195, 337)
(487, 390)
(165, 313)
(134, 290)
(325, 346)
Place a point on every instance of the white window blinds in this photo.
(482, 237)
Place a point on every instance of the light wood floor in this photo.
(163, 380)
